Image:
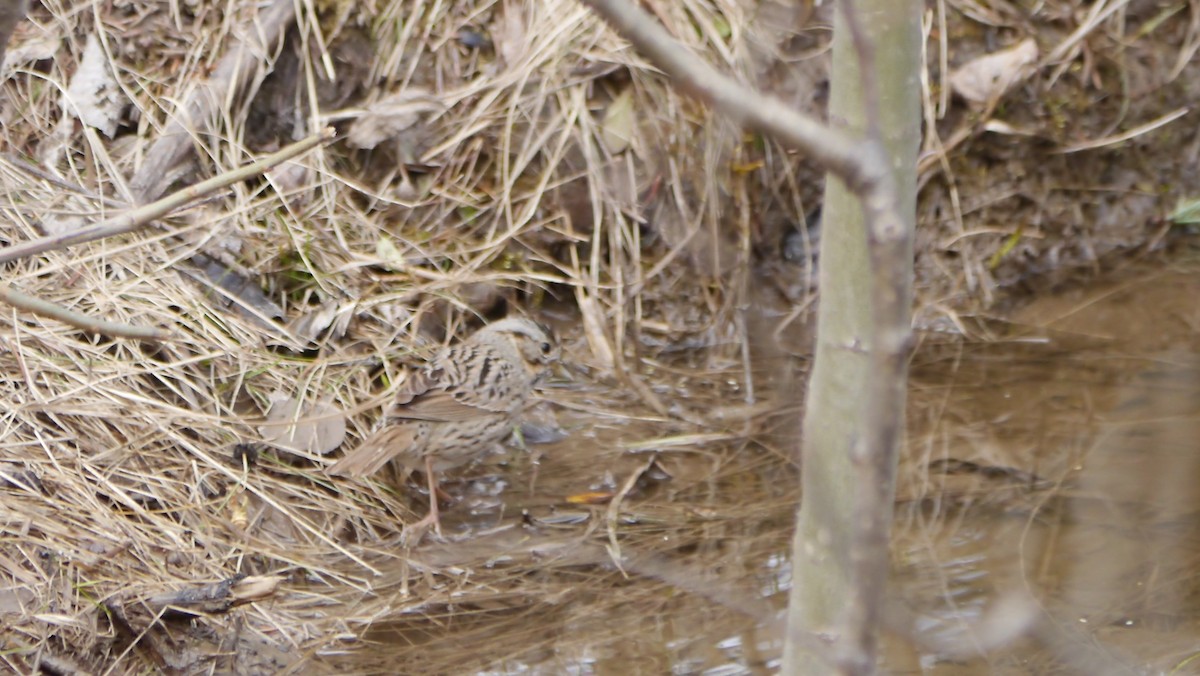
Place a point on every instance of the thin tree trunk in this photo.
(829, 597)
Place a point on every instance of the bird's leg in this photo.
(519, 437)
(431, 519)
(413, 532)
(443, 495)
(433, 498)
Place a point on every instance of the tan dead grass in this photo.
(122, 482)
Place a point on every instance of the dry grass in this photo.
(122, 481)
(510, 179)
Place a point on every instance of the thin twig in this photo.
(143, 216)
(28, 303)
(58, 182)
(834, 149)
(1126, 135)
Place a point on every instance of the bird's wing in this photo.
(381, 447)
(438, 406)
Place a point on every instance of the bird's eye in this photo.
(546, 347)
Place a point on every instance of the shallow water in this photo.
(1068, 545)
(1047, 518)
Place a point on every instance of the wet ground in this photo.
(1048, 519)
(1057, 530)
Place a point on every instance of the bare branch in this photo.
(142, 216)
(834, 149)
(23, 301)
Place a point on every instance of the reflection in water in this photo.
(1105, 544)
(1047, 521)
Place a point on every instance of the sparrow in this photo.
(460, 405)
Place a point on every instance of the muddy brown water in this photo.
(1048, 519)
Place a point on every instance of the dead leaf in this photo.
(310, 325)
(593, 329)
(389, 255)
(16, 600)
(508, 35)
(988, 77)
(94, 93)
(241, 292)
(388, 117)
(590, 498)
(59, 225)
(218, 597)
(319, 428)
(1001, 127)
(617, 128)
(33, 50)
(290, 180)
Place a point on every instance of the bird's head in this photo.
(533, 342)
